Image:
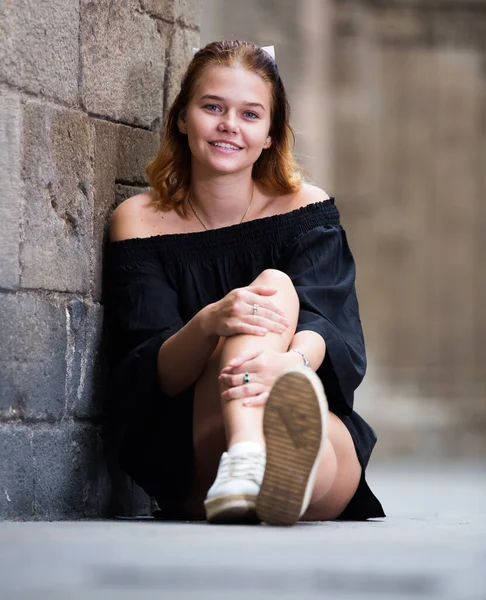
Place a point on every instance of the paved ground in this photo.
(432, 545)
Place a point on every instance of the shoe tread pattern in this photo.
(293, 430)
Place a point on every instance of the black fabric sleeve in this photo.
(142, 307)
(322, 269)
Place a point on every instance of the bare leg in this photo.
(244, 423)
(338, 475)
(219, 425)
(216, 427)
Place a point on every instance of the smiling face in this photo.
(227, 120)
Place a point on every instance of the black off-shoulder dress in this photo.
(155, 285)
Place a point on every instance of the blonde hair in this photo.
(169, 174)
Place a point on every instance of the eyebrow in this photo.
(220, 99)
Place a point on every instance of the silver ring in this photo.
(255, 308)
(246, 378)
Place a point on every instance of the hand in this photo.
(263, 367)
(233, 314)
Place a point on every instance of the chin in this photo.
(227, 169)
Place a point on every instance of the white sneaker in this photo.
(232, 497)
(295, 429)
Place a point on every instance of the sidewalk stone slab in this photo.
(123, 62)
(10, 158)
(57, 219)
(39, 47)
(431, 546)
(33, 344)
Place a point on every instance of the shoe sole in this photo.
(237, 508)
(295, 428)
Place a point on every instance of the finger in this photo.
(259, 400)
(269, 324)
(244, 328)
(252, 367)
(265, 308)
(269, 313)
(243, 357)
(243, 391)
(233, 379)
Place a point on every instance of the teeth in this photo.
(223, 145)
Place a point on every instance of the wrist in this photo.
(294, 359)
(204, 317)
(302, 358)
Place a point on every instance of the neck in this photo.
(221, 200)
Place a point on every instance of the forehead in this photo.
(233, 83)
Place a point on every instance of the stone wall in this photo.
(84, 85)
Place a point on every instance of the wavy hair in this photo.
(169, 174)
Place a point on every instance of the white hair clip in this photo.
(268, 49)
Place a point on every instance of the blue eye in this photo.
(211, 107)
(251, 114)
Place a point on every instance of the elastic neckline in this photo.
(260, 222)
(248, 236)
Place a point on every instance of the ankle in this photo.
(241, 438)
(245, 447)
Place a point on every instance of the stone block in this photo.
(123, 192)
(10, 197)
(121, 154)
(105, 172)
(71, 478)
(87, 385)
(39, 47)
(123, 57)
(184, 11)
(33, 356)
(16, 473)
(57, 218)
(179, 56)
(136, 148)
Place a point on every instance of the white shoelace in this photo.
(250, 466)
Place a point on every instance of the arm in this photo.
(183, 357)
(312, 345)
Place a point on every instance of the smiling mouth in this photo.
(225, 145)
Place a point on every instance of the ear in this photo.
(268, 143)
(181, 123)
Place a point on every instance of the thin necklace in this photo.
(242, 218)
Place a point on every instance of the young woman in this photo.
(232, 292)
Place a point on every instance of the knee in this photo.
(275, 278)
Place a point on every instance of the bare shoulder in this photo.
(310, 194)
(129, 218)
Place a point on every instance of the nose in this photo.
(229, 123)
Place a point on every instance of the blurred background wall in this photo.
(389, 107)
